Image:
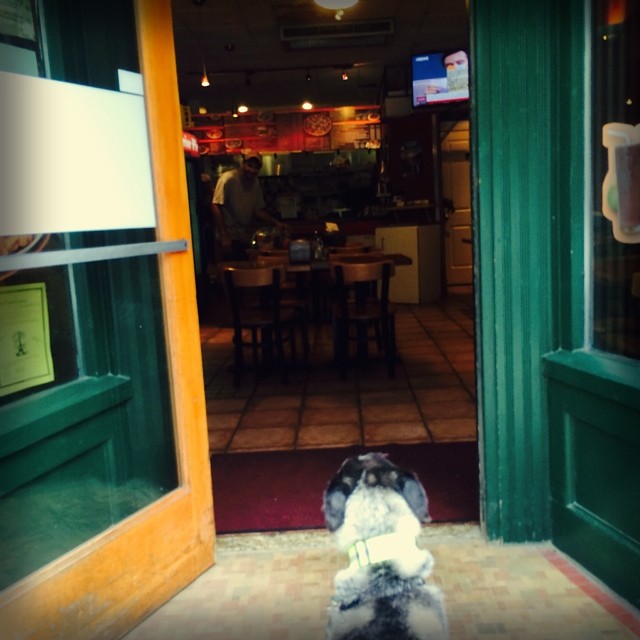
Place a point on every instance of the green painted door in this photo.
(593, 379)
(556, 284)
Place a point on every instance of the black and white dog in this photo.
(374, 509)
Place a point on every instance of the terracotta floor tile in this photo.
(259, 403)
(460, 409)
(383, 383)
(223, 405)
(219, 440)
(394, 396)
(329, 435)
(377, 433)
(269, 439)
(263, 419)
(442, 394)
(223, 421)
(330, 415)
(407, 412)
(333, 400)
(446, 430)
(428, 381)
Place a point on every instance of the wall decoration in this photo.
(25, 349)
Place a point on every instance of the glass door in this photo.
(104, 473)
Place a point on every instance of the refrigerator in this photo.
(421, 281)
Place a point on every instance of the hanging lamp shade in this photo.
(336, 4)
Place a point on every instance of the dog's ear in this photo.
(339, 490)
(333, 507)
(416, 497)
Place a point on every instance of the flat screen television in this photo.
(440, 77)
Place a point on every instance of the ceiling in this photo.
(247, 60)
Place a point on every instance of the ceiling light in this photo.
(243, 108)
(307, 106)
(204, 81)
(345, 75)
(308, 77)
(336, 4)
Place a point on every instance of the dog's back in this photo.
(374, 510)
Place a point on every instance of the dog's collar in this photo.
(364, 553)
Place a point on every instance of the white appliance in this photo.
(421, 281)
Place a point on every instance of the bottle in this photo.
(318, 247)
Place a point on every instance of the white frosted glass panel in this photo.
(74, 158)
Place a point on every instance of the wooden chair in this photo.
(260, 324)
(294, 294)
(362, 312)
(351, 247)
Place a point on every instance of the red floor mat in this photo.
(282, 490)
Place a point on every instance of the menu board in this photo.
(267, 131)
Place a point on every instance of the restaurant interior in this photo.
(365, 168)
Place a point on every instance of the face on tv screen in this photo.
(440, 77)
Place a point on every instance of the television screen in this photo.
(440, 77)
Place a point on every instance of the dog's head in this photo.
(372, 471)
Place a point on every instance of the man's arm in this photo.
(265, 216)
(223, 234)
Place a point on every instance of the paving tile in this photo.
(279, 586)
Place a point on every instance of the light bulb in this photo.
(204, 80)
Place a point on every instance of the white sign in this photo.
(73, 158)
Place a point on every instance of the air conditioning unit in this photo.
(347, 34)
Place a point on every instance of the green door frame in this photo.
(558, 421)
(514, 213)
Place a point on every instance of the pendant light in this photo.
(204, 81)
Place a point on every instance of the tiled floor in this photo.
(278, 587)
(431, 399)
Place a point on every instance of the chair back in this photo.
(351, 247)
(250, 275)
(361, 258)
(369, 280)
(249, 286)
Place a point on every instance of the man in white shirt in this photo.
(238, 207)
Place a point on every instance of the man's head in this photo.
(457, 59)
(251, 163)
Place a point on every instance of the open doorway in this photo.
(432, 400)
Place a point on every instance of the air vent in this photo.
(343, 34)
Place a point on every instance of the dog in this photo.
(375, 509)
